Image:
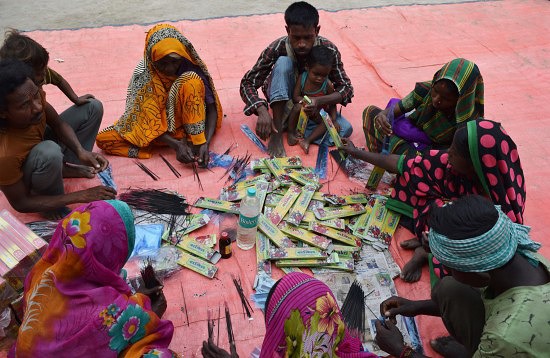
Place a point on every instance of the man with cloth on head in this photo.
(495, 304)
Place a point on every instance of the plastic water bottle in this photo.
(248, 220)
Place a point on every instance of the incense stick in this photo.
(174, 170)
(184, 304)
(196, 174)
(146, 170)
(229, 327)
(219, 315)
(247, 307)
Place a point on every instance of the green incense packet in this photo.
(339, 211)
(306, 236)
(334, 234)
(198, 265)
(273, 233)
(217, 205)
(202, 251)
(296, 253)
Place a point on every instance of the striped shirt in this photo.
(257, 76)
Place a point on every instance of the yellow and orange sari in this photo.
(158, 104)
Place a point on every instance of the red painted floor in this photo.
(385, 51)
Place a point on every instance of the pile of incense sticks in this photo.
(237, 168)
(353, 309)
(247, 308)
(156, 201)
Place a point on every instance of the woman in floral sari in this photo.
(171, 101)
(482, 159)
(429, 115)
(303, 319)
(76, 302)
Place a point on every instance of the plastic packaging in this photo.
(248, 220)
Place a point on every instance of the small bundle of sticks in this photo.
(146, 170)
(237, 168)
(174, 170)
(156, 201)
(149, 275)
(196, 174)
(353, 309)
(247, 308)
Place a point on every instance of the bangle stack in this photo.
(407, 352)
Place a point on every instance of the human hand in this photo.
(210, 350)
(382, 124)
(184, 153)
(389, 338)
(203, 156)
(158, 300)
(348, 146)
(95, 160)
(311, 109)
(397, 305)
(83, 99)
(264, 125)
(99, 192)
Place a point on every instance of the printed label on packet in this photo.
(198, 265)
(307, 236)
(263, 265)
(217, 205)
(273, 233)
(302, 118)
(331, 129)
(199, 250)
(339, 224)
(376, 220)
(285, 204)
(300, 206)
(332, 259)
(344, 264)
(194, 222)
(296, 253)
(272, 199)
(285, 162)
(341, 236)
(288, 270)
(339, 212)
(279, 172)
(311, 179)
(262, 187)
(237, 191)
(390, 225)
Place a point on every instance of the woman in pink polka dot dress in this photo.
(482, 159)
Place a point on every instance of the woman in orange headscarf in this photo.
(171, 101)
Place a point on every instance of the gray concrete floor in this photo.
(29, 15)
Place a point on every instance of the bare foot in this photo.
(71, 170)
(275, 147)
(305, 146)
(410, 244)
(412, 271)
(57, 214)
(292, 139)
(449, 347)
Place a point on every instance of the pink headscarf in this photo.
(302, 316)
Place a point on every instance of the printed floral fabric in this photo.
(304, 320)
(76, 302)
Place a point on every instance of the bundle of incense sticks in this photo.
(244, 301)
(230, 334)
(174, 170)
(237, 168)
(353, 309)
(146, 170)
(196, 174)
(155, 200)
(149, 275)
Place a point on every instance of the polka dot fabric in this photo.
(498, 166)
(428, 179)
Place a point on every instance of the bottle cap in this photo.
(224, 234)
(251, 191)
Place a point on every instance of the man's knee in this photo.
(47, 155)
(346, 128)
(95, 112)
(283, 66)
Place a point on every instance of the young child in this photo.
(27, 50)
(313, 82)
